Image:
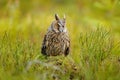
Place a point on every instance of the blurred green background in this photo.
(23, 24)
(79, 12)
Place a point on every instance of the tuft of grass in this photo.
(97, 47)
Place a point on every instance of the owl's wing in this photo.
(43, 48)
(67, 50)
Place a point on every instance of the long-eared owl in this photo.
(56, 41)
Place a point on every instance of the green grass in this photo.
(97, 47)
(20, 58)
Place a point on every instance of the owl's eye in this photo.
(60, 25)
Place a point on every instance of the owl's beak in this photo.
(61, 29)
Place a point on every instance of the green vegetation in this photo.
(94, 28)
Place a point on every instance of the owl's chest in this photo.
(56, 43)
(58, 38)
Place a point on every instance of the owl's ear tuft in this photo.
(57, 17)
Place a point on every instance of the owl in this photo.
(56, 41)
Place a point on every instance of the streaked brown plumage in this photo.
(56, 41)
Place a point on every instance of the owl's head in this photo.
(59, 25)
